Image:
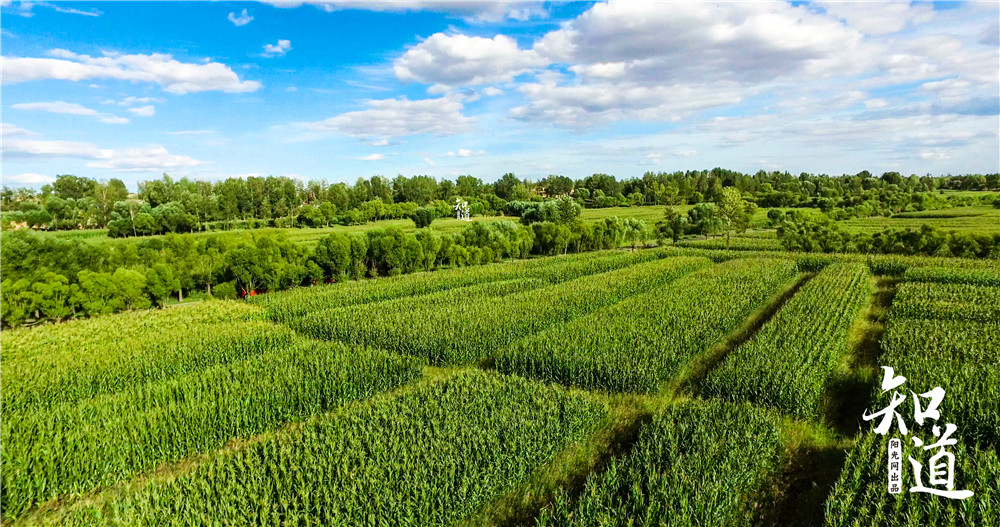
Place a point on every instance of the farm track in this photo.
(630, 413)
(815, 453)
(686, 382)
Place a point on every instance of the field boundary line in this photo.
(687, 380)
(575, 464)
(816, 450)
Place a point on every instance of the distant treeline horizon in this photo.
(166, 205)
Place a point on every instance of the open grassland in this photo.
(966, 220)
(673, 386)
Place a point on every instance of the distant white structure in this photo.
(461, 210)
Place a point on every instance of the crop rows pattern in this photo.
(638, 344)
(789, 361)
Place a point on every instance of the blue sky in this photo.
(339, 90)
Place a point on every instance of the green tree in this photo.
(161, 283)
(423, 216)
(734, 211)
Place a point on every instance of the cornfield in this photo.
(694, 464)
(431, 456)
(473, 328)
(789, 361)
(638, 344)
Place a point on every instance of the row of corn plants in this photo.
(73, 447)
(696, 463)
(950, 301)
(930, 343)
(473, 328)
(431, 455)
(953, 275)
(47, 366)
(640, 343)
(288, 305)
(861, 497)
(789, 361)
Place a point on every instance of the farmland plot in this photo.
(640, 343)
(789, 361)
(935, 336)
(694, 464)
(475, 328)
(861, 498)
(285, 306)
(430, 456)
(133, 403)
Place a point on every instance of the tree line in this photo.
(166, 205)
(49, 278)
(798, 232)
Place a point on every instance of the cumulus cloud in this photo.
(889, 17)
(241, 20)
(158, 68)
(151, 158)
(646, 42)
(388, 118)
(460, 60)
(274, 50)
(372, 157)
(67, 108)
(28, 179)
(588, 104)
(144, 111)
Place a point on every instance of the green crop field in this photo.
(686, 385)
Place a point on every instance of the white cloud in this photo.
(372, 157)
(876, 103)
(9, 130)
(25, 8)
(151, 158)
(274, 50)
(381, 142)
(460, 60)
(291, 89)
(144, 159)
(429, 161)
(28, 179)
(47, 148)
(241, 20)
(595, 103)
(742, 42)
(143, 111)
(388, 118)
(935, 155)
(129, 101)
(465, 152)
(491, 91)
(471, 11)
(887, 17)
(68, 108)
(172, 75)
